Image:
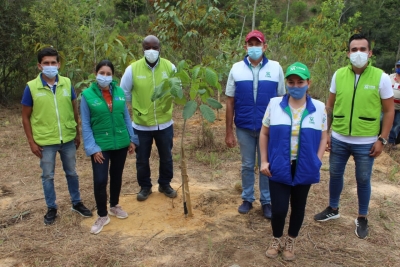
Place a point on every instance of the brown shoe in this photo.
(288, 251)
(274, 248)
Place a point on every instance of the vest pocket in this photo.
(338, 116)
(367, 119)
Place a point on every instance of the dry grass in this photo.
(227, 237)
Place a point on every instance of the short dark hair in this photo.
(105, 62)
(48, 52)
(359, 36)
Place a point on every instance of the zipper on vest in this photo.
(154, 103)
(352, 101)
(58, 115)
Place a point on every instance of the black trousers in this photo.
(281, 196)
(114, 162)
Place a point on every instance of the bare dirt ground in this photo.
(157, 233)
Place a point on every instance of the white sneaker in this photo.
(98, 224)
(118, 212)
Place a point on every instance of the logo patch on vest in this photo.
(369, 87)
(66, 93)
(164, 75)
(268, 74)
(311, 120)
(40, 94)
(120, 98)
(96, 103)
(141, 77)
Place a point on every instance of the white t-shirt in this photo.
(385, 92)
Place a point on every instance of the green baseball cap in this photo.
(298, 69)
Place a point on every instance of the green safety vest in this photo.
(358, 106)
(109, 128)
(52, 119)
(146, 112)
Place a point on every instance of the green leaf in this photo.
(204, 97)
(183, 76)
(202, 91)
(168, 104)
(207, 113)
(194, 90)
(211, 77)
(177, 21)
(181, 65)
(177, 92)
(189, 109)
(157, 92)
(180, 101)
(214, 103)
(195, 72)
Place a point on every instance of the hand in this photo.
(131, 148)
(328, 144)
(98, 157)
(376, 149)
(77, 141)
(264, 169)
(37, 150)
(230, 140)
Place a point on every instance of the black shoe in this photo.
(361, 227)
(144, 193)
(50, 216)
(167, 190)
(327, 214)
(82, 210)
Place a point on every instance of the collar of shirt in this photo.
(52, 88)
(110, 89)
(158, 60)
(260, 64)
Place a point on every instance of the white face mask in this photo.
(151, 55)
(359, 59)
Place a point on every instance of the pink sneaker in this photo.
(118, 212)
(99, 223)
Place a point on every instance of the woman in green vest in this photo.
(108, 136)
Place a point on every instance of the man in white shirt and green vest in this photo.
(359, 93)
(150, 121)
(50, 120)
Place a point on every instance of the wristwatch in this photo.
(383, 140)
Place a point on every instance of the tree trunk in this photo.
(287, 12)
(187, 204)
(254, 16)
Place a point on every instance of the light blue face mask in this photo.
(297, 92)
(103, 81)
(254, 52)
(50, 71)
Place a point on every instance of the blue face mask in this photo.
(50, 71)
(297, 92)
(103, 81)
(398, 70)
(254, 52)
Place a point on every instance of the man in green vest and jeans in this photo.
(50, 120)
(359, 93)
(150, 120)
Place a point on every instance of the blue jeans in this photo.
(249, 146)
(47, 163)
(340, 153)
(164, 143)
(114, 162)
(394, 132)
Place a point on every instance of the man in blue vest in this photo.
(359, 93)
(150, 121)
(50, 120)
(252, 82)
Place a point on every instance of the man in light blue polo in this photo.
(252, 82)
